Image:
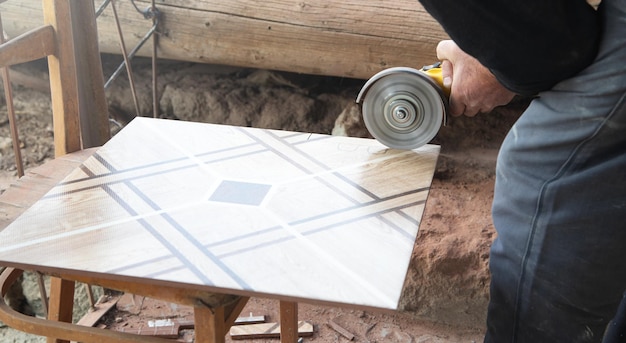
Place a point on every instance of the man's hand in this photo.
(473, 88)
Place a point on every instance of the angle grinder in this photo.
(404, 108)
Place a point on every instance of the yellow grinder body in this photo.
(404, 108)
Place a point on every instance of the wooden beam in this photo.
(32, 45)
(233, 310)
(182, 296)
(339, 38)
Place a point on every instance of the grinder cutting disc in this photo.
(402, 108)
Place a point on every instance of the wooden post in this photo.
(63, 82)
(76, 81)
(209, 325)
(288, 322)
(92, 105)
(61, 303)
(70, 40)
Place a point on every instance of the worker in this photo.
(558, 264)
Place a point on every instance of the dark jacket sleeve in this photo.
(529, 45)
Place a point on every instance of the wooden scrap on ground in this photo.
(101, 307)
(340, 329)
(169, 331)
(133, 303)
(104, 304)
(250, 320)
(267, 330)
(173, 330)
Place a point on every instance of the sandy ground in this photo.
(446, 290)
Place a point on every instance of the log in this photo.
(338, 38)
(34, 82)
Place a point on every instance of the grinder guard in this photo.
(403, 108)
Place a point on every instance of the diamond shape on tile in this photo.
(244, 193)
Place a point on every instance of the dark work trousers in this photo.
(558, 264)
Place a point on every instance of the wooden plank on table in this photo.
(267, 330)
(36, 183)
